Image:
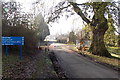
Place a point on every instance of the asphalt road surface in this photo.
(77, 66)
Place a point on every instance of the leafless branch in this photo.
(79, 12)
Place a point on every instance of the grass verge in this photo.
(43, 66)
(114, 50)
(110, 62)
(35, 65)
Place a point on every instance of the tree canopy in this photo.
(98, 21)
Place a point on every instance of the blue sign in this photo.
(12, 40)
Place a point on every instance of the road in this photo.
(77, 66)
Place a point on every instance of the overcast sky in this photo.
(64, 25)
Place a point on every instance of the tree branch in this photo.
(55, 13)
(65, 7)
(79, 12)
(60, 9)
(117, 31)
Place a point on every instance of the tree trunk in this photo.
(97, 46)
(98, 26)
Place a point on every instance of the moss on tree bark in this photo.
(98, 26)
(97, 46)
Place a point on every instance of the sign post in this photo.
(20, 52)
(6, 50)
(13, 41)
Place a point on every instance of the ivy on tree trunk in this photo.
(97, 46)
(98, 26)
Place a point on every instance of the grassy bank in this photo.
(114, 61)
(36, 65)
(12, 65)
(110, 61)
(43, 66)
(115, 51)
